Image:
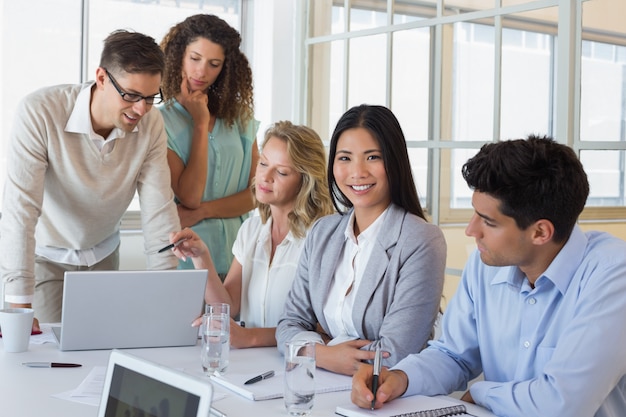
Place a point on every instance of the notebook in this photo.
(130, 309)
(415, 406)
(270, 388)
(137, 387)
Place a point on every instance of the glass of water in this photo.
(299, 377)
(215, 333)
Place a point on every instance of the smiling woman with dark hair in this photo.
(372, 274)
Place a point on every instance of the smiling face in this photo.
(277, 182)
(202, 63)
(111, 111)
(360, 174)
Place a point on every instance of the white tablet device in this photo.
(134, 386)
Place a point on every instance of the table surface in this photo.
(28, 392)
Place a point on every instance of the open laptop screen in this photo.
(136, 387)
(134, 394)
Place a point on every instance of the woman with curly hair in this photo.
(211, 130)
(291, 193)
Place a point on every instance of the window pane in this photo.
(603, 92)
(473, 63)
(605, 170)
(410, 81)
(326, 86)
(374, 16)
(419, 166)
(154, 19)
(526, 83)
(461, 194)
(368, 70)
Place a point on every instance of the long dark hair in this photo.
(385, 128)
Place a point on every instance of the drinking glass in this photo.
(299, 377)
(215, 333)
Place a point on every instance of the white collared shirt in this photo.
(348, 276)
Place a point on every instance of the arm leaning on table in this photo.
(397, 300)
(229, 292)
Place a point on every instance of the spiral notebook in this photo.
(415, 406)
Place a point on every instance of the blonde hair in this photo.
(308, 156)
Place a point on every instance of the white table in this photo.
(27, 392)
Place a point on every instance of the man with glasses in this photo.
(77, 155)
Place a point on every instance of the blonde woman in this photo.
(291, 192)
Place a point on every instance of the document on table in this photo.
(270, 388)
(89, 391)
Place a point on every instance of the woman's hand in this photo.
(190, 247)
(195, 102)
(343, 358)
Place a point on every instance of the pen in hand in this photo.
(171, 245)
(377, 367)
(258, 378)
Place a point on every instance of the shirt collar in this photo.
(80, 118)
(366, 234)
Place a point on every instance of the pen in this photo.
(217, 413)
(258, 378)
(171, 245)
(377, 365)
(51, 365)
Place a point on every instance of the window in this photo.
(42, 41)
(461, 73)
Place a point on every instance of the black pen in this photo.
(171, 245)
(258, 378)
(377, 366)
(51, 365)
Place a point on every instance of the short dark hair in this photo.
(132, 52)
(385, 128)
(533, 178)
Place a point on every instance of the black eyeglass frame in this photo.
(132, 97)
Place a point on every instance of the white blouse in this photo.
(354, 257)
(264, 286)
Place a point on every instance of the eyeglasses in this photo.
(134, 98)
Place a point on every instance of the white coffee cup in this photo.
(16, 325)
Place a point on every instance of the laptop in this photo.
(130, 309)
(136, 387)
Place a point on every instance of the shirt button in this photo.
(532, 301)
(527, 344)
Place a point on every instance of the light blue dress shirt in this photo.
(555, 350)
(229, 160)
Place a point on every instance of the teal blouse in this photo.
(228, 161)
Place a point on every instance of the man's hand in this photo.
(392, 384)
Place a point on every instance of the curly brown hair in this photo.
(230, 96)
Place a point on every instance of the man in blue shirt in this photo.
(541, 304)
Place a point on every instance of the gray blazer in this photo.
(399, 295)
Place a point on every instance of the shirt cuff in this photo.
(480, 391)
(19, 299)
